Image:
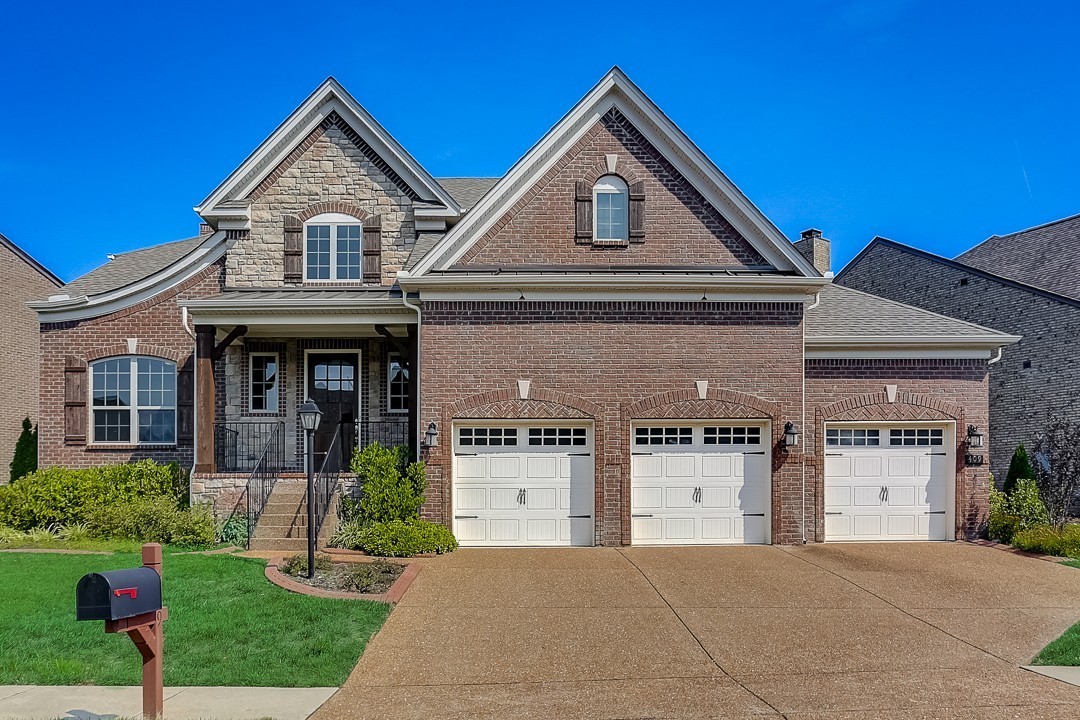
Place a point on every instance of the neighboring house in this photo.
(1026, 283)
(606, 345)
(23, 279)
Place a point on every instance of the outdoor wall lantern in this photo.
(975, 438)
(310, 415)
(431, 437)
(791, 435)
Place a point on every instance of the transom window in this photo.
(611, 209)
(397, 385)
(916, 436)
(557, 436)
(264, 382)
(487, 436)
(133, 399)
(332, 247)
(861, 437)
(732, 436)
(664, 435)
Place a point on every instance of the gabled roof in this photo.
(846, 316)
(616, 90)
(227, 201)
(468, 191)
(1046, 256)
(29, 260)
(885, 242)
(131, 267)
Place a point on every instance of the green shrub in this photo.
(397, 538)
(392, 487)
(25, 460)
(234, 531)
(74, 533)
(194, 527)
(1020, 510)
(157, 519)
(297, 564)
(58, 496)
(1020, 468)
(1047, 540)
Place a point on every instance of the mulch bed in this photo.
(373, 578)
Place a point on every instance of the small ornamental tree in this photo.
(1057, 467)
(1020, 468)
(25, 460)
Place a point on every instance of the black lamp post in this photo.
(310, 415)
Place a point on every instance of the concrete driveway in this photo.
(825, 631)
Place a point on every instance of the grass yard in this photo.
(1063, 651)
(227, 625)
(1072, 563)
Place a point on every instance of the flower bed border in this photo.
(392, 595)
(1056, 559)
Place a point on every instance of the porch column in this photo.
(205, 397)
(414, 389)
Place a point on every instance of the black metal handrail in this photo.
(389, 433)
(238, 445)
(266, 472)
(328, 478)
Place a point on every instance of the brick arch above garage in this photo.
(508, 403)
(718, 403)
(877, 407)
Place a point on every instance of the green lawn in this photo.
(1063, 651)
(1072, 563)
(227, 625)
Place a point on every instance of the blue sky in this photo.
(933, 123)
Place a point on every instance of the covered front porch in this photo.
(261, 353)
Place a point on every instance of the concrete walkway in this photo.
(31, 702)
(828, 631)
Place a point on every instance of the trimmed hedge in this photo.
(59, 496)
(1048, 541)
(397, 538)
(157, 519)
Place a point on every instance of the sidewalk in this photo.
(87, 702)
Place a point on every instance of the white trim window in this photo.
(333, 248)
(397, 385)
(611, 209)
(263, 382)
(133, 400)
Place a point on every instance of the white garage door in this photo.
(700, 483)
(523, 484)
(888, 482)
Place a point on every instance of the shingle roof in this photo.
(844, 312)
(131, 267)
(1046, 256)
(424, 243)
(467, 191)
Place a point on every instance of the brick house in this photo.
(23, 279)
(1025, 283)
(606, 345)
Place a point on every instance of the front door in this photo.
(333, 383)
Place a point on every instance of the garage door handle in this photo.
(834, 513)
(759, 452)
(466, 517)
(581, 516)
(934, 512)
(637, 515)
(753, 514)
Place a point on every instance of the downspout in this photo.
(416, 371)
(996, 357)
(802, 495)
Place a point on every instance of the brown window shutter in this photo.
(74, 401)
(583, 211)
(373, 251)
(637, 212)
(294, 249)
(185, 402)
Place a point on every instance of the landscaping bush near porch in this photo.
(1047, 540)
(227, 626)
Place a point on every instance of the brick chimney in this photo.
(816, 249)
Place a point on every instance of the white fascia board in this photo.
(349, 321)
(660, 281)
(686, 156)
(609, 295)
(85, 307)
(990, 340)
(330, 96)
(898, 353)
(292, 305)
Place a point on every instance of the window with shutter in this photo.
(637, 212)
(294, 249)
(74, 401)
(373, 251)
(583, 213)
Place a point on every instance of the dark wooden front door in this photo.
(334, 385)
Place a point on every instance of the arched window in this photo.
(611, 209)
(332, 247)
(133, 400)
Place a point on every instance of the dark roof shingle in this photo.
(467, 191)
(131, 267)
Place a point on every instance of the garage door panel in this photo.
(647, 467)
(648, 498)
(717, 528)
(904, 484)
(504, 467)
(679, 466)
(503, 531)
(471, 499)
(472, 467)
(541, 467)
(680, 528)
(470, 530)
(679, 497)
(503, 498)
(542, 531)
(717, 497)
(717, 466)
(541, 498)
(647, 529)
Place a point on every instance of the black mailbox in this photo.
(117, 594)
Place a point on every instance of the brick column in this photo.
(206, 397)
